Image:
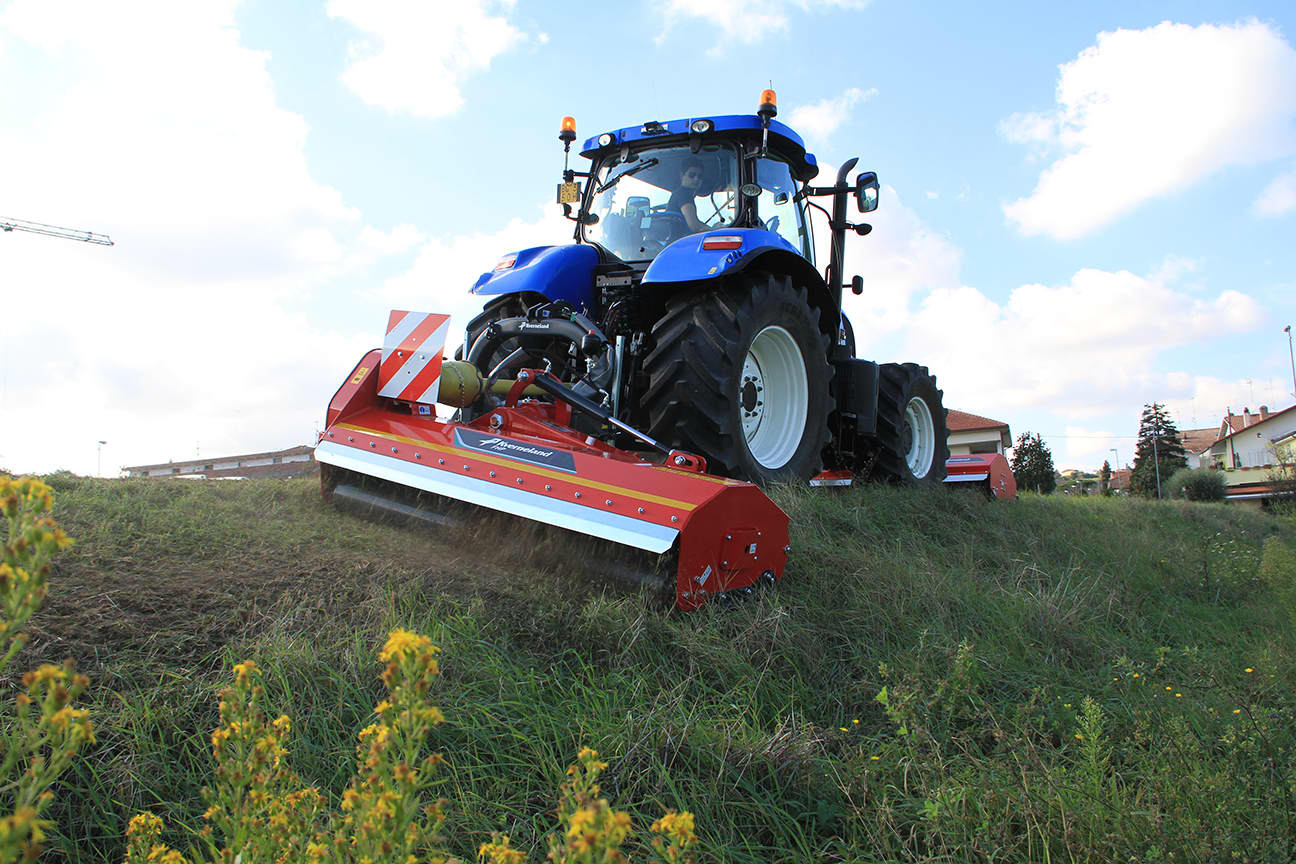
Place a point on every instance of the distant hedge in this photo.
(1200, 484)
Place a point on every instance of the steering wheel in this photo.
(772, 223)
(666, 227)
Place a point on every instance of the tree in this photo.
(1159, 454)
(1104, 479)
(1032, 464)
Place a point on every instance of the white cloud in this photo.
(746, 21)
(1084, 349)
(210, 320)
(900, 258)
(415, 56)
(445, 268)
(1278, 197)
(1200, 401)
(820, 119)
(1086, 448)
(1149, 113)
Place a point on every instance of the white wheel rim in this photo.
(773, 397)
(922, 437)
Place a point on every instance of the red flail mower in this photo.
(987, 472)
(719, 538)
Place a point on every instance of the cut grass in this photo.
(735, 715)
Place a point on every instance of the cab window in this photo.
(777, 208)
(637, 203)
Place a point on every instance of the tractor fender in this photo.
(557, 272)
(686, 262)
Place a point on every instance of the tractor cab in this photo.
(653, 185)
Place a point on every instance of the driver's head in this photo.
(691, 173)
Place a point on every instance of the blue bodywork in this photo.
(686, 261)
(557, 272)
(791, 145)
(567, 272)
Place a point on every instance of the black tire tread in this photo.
(700, 344)
(898, 383)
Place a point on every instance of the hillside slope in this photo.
(1064, 679)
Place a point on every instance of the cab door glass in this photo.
(776, 207)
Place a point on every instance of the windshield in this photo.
(659, 195)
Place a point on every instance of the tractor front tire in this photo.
(739, 375)
(911, 427)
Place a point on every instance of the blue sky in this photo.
(1086, 206)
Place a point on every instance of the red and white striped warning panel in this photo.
(411, 356)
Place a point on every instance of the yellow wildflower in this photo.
(402, 643)
(677, 826)
(580, 820)
(144, 825)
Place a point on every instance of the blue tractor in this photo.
(691, 307)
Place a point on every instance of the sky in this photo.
(1086, 207)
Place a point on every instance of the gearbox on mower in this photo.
(685, 349)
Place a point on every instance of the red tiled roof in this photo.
(1255, 420)
(1197, 440)
(1233, 422)
(961, 421)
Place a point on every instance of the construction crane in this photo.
(7, 224)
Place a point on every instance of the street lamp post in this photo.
(99, 459)
(1291, 357)
(1156, 459)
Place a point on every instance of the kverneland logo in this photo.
(519, 450)
(513, 447)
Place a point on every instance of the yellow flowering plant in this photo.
(42, 730)
(592, 832)
(260, 811)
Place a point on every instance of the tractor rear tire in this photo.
(739, 375)
(911, 427)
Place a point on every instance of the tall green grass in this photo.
(1025, 650)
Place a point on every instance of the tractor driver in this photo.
(690, 186)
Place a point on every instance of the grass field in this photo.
(1063, 680)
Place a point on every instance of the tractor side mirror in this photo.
(866, 191)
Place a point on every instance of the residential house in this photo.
(1197, 441)
(972, 433)
(1250, 449)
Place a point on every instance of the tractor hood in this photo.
(782, 139)
(557, 272)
